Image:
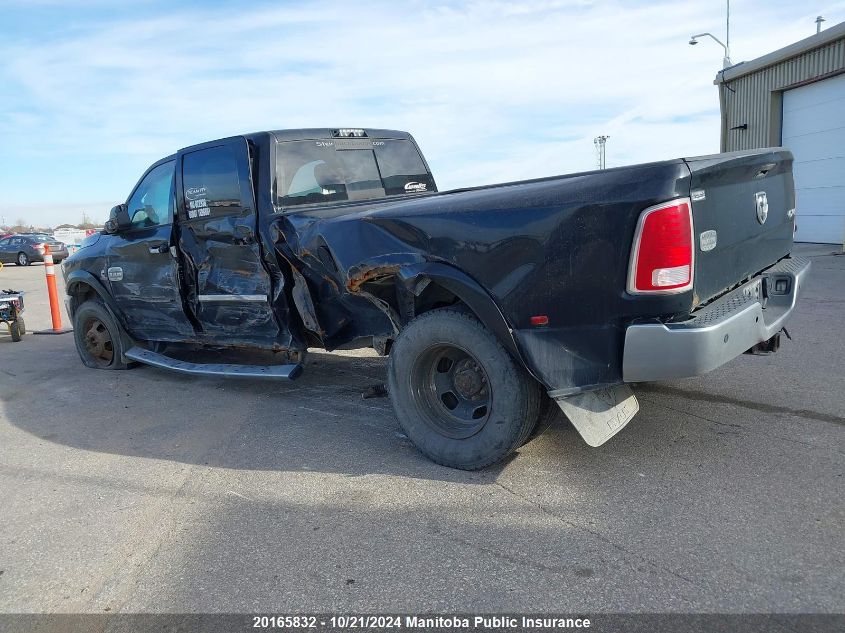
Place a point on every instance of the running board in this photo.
(257, 372)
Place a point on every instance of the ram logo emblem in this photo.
(762, 206)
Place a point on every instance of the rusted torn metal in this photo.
(369, 273)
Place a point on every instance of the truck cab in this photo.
(187, 259)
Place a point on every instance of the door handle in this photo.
(158, 249)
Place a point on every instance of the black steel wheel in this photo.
(460, 397)
(99, 339)
(451, 386)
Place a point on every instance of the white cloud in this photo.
(492, 90)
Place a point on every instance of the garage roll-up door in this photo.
(814, 129)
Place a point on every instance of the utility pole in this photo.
(601, 153)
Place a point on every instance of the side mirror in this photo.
(118, 219)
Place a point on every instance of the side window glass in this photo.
(211, 183)
(5, 242)
(150, 204)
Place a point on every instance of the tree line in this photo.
(22, 226)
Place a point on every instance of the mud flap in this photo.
(599, 415)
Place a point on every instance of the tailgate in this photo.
(748, 199)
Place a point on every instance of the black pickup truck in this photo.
(493, 303)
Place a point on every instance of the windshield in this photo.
(348, 169)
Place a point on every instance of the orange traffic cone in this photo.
(55, 310)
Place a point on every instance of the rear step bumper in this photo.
(717, 333)
(255, 372)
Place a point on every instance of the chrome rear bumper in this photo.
(717, 333)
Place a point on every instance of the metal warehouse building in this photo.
(795, 97)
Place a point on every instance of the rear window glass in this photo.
(402, 171)
(326, 171)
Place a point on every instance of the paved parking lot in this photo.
(144, 491)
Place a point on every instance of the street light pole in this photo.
(726, 60)
(601, 152)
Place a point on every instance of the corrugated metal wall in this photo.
(757, 98)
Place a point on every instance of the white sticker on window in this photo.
(198, 207)
(413, 187)
(193, 193)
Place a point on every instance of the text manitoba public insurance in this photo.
(495, 622)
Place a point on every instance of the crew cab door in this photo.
(140, 269)
(226, 285)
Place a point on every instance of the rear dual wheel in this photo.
(459, 395)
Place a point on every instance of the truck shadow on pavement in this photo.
(261, 493)
(318, 423)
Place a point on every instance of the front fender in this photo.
(78, 278)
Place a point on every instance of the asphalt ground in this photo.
(143, 491)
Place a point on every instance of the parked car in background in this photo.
(25, 248)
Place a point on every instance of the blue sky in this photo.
(91, 92)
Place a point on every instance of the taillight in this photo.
(40, 248)
(662, 257)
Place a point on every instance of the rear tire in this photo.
(459, 395)
(549, 411)
(15, 331)
(99, 339)
(22, 259)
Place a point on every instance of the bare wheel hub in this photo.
(468, 379)
(98, 341)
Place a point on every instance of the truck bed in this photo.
(556, 246)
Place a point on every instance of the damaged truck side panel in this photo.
(547, 245)
(337, 238)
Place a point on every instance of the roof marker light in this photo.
(350, 132)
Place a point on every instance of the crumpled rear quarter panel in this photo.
(557, 247)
